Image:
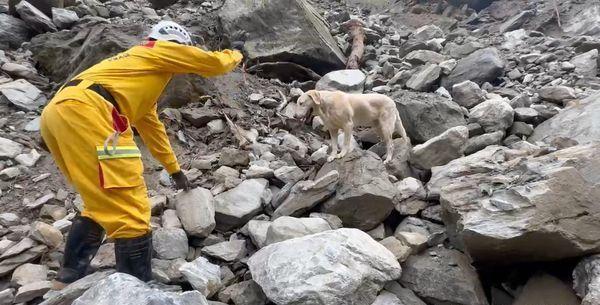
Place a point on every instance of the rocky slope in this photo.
(496, 203)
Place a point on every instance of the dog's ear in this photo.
(316, 97)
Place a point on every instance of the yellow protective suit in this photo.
(77, 121)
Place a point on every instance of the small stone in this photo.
(400, 251)
(255, 97)
(521, 129)
(46, 234)
(9, 149)
(105, 257)
(416, 241)
(62, 225)
(9, 219)
(53, 212)
(228, 251)
(269, 103)
(40, 201)
(10, 173)
(33, 125)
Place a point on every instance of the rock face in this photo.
(548, 213)
(196, 211)
(441, 149)
(125, 289)
(426, 115)
(586, 277)
(13, 32)
(364, 193)
(235, 207)
(578, 122)
(351, 81)
(284, 228)
(22, 94)
(493, 115)
(489, 63)
(302, 270)
(301, 37)
(442, 276)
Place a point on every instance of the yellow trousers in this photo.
(110, 182)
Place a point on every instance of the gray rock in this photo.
(406, 296)
(426, 115)
(399, 249)
(547, 211)
(351, 81)
(167, 271)
(398, 166)
(287, 174)
(10, 173)
(516, 22)
(33, 125)
(203, 276)
(170, 219)
(235, 207)
(244, 293)
(586, 280)
(467, 94)
(9, 149)
(7, 296)
(527, 115)
(67, 295)
(364, 193)
(22, 94)
(105, 257)
(29, 273)
(6, 244)
(12, 260)
(35, 18)
(29, 159)
(24, 71)
(228, 251)
(433, 213)
(285, 227)
(21, 246)
(421, 57)
(520, 129)
(557, 94)
(199, 117)
(170, 243)
(442, 276)
(196, 211)
(296, 146)
(31, 291)
(441, 149)
(121, 288)
(492, 115)
(447, 66)
(425, 78)
(234, 157)
(305, 195)
(578, 122)
(9, 219)
(302, 270)
(489, 63)
(480, 142)
(257, 229)
(63, 18)
(387, 298)
(586, 64)
(428, 32)
(546, 289)
(302, 36)
(333, 221)
(13, 32)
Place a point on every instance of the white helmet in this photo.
(170, 31)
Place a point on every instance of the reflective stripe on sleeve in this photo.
(118, 152)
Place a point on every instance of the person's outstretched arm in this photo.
(154, 135)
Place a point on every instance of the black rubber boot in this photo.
(85, 237)
(134, 256)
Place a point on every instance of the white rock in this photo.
(228, 251)
(9, 219)
(31, 291)
(285, 227)
(63, 18)
(203, 276)
(196, 211)
(235, 207)
(351, 81)
(257, 229)
(9, 149)
(29, 273)
(170, 243)
(22, 94)
(29, 159)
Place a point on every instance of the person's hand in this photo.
(181, 181)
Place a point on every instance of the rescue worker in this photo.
(87, 129)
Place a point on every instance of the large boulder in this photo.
(125, 289)
(351, 81)
(301, 35)
(586, 64)
(364, 194)
(343, 267)
(35, 18)
(586, 278)
(500, 207)
(441, 276)
(467, 94)
(578, 122)
(489, 63)
(235, 207)
(196, 211)
(13, 32)
(441, 149)
(284, 228)
(426, 115)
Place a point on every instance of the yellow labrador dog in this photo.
(340, 110)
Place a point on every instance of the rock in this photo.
(421, 57)
(9, 219)
(29, 273)
(302, 36)
(22, 94)
(546, 289)
(441, 276)
(31, 291)
(301, 270)
(257, 229)
(425, 78)
(305, 195)
(46, 234)
(406, 296)
(333, 221)
(170, 243)
(378, 233)
(557, 94)
(29, 159)
(33, 125)
(244, 293)
(519, 129)
(578, 122)
(428, 32)
(233, 157)
(76, 289)
(489, 63)
(586, 280)
(158, 204)
(399, 249)
(9, 149)
(13, 32)
(480, 142)
(34, 18)
(441, 149)
(527, 115)
(514, 39)
(295, 145)
(256, 171)
(586, 64)
(21, 246)
(287, 174)
(285, 227)
(63, 18)
(167, 271)
(203, 276)
(105, 257)
(386, 298)
(13, 259)
(6, 244)
(416, 241)
(196, 211)
(235, 207)
(170, 220)
(199, 117)
(228, 251)
(351, 81)
(426, 115)
(7, 296)
(364, 193)
(546, 211)
(516, 22)
(255, 97)
(467, 94)
(121, 288)
(492, 115)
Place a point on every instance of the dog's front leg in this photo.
(333, 133)
(347, 138)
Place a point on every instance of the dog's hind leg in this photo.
(333, 133)
(347, 146)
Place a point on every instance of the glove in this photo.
(181, 181)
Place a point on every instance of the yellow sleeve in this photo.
(154, 135)
(177, 58)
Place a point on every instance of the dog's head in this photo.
(307, 101)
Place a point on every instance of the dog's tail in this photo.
(399, 128)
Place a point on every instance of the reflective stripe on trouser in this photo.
(111, 185)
